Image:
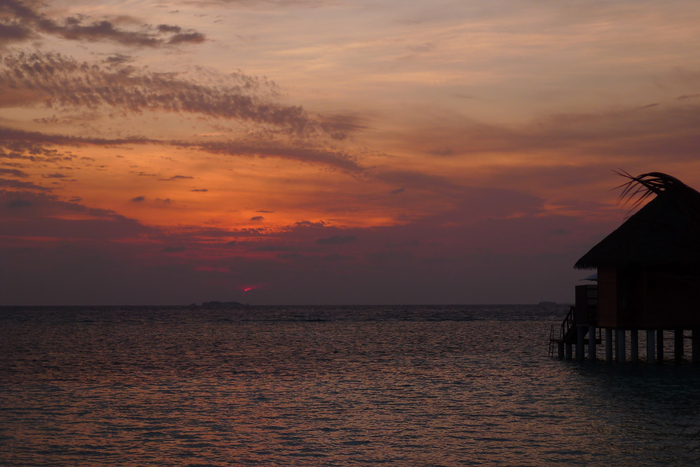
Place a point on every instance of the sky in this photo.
(320, 152)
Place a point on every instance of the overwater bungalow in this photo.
(648, 279)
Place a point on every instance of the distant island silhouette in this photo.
(217, 304)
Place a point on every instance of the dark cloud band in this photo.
(20, 22)
(61, 82)
(21, 142)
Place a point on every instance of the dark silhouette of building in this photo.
(648, 277)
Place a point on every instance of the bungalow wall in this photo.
(607, 297)
(647, 297)
(671, 299)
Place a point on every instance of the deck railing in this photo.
(552, 341)
(565, 333)
(568, 324)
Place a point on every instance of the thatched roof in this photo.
(666, 231)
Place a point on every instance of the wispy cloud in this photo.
(4, 183)
(13, 172)
(27, 144)
(654, 130)
(28, 214)
(175, 177)
(57, 81)
(313, 155)
(21, 21)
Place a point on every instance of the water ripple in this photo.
(421, 386)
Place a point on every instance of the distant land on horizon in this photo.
(218, 304)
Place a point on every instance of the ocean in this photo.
(327, 386)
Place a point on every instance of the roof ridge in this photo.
(666, 230)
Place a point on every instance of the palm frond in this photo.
(641, 187)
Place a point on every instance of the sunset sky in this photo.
(330, 151)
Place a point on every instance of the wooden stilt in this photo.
(696, 346)
(678, 345)
(620, 341)
(634, 345)
(660, 345)
(580, 334)
(650, 346)
(608, 345)
(591, 343)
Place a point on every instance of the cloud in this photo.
(312, 155)
(257, 218)
(169, 28)
(414, 180)
(19, 22)
(15, 22)
(340, 126)
(138, 199)
(13, 172)
(446, 257)
(336, 240)
(187, 38)
(200, 190)
(659, 131)
(118, 60)
(18, 203)
(21, 185)
(28, 215)
(10, 33)
(57, 81)
(36, 143)
(175, 177)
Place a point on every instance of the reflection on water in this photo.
(326, 386)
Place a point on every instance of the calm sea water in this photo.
(330, 386)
